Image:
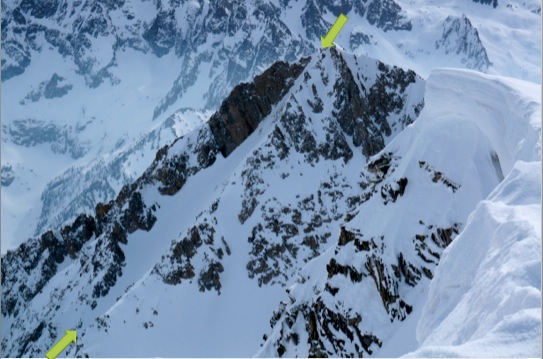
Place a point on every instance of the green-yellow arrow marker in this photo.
(328, 41)
(61, 344)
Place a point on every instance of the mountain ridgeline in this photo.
(329, 109)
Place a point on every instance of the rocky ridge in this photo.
(93, 247)
(460, 37)
(322, 311)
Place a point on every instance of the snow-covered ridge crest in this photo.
(494, 293)
(489, 302)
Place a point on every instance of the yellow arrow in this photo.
(328, 41)
(61, 344)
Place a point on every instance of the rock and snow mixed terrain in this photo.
(472, 131)
(331, 205)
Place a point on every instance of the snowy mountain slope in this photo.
(495, 292)
(496, 298)
(357, 297)
(119, 167)
(82, 185)
(214, 216)
(503, 40)
(79, 65)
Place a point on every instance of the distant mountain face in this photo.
(494, 3)
(232, 40)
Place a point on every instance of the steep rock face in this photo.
(309, 125)
(460, 37)
(248, 104)
(199, 254)
(322, 320)
(298, 131)
(387, 15)
(98, 264)
(28, 269)
(364, 113)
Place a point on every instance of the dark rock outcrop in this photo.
(324, 325)
(179, 263)
(248, 104)
(210, 277)
(137, 215)
(79, 232)
(55, 88)
(387, 15)
(364, 116)
(7, 175)
(494, 3)
(364, 262)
